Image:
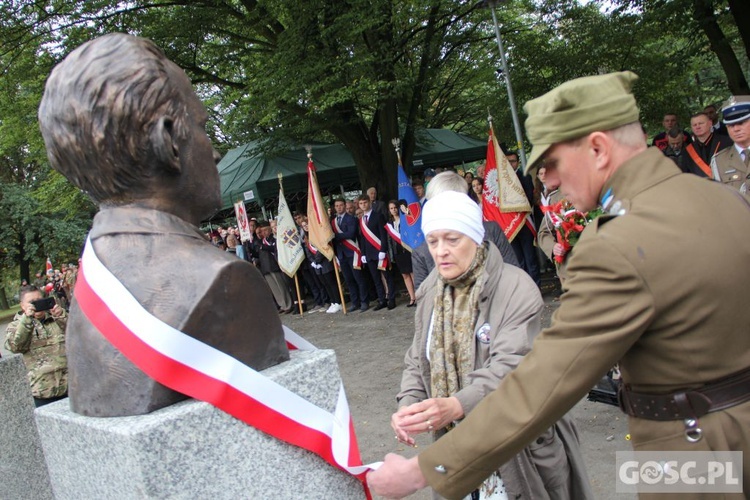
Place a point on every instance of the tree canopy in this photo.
(362, 72)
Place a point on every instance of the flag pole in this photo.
(397, 146)
(296, 280)
(511, 97)
(338, 282)
(299, 299)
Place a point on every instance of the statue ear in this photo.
(163, 144)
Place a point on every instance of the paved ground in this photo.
(370, 348)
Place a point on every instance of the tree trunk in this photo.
(3, 300)
(703, 13)
(740, 10)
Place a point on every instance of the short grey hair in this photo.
(446, 181)
(98, 112)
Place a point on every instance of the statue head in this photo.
(124, 125)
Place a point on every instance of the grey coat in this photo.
(510, 308)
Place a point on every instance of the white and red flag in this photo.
(288, 241)
(504, 200)
(320, 233)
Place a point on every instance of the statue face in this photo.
(198, 158)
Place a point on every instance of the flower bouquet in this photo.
(570, 227)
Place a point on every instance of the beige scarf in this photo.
(455, 313)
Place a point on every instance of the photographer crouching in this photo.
(38, 332)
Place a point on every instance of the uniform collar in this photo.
(636, 175)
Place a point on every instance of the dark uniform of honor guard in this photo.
(646, 288)
(124, 125)
(731, 166)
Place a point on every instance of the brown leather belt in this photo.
(694, 403)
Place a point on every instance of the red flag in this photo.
(503, 198)
(320, 232)
(49, 266)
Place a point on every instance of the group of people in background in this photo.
(368, 252)
(714, 148)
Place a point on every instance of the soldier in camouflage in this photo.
(40, 337)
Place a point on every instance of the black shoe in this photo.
(364, 308)
(391, 304)
(412, 304)
(381, 305)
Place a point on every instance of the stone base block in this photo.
(23, 473)
(193, 450)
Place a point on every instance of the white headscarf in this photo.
(453, 211)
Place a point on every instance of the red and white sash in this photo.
(189, 366)
(393, 233)
(312, 248)
(351, 245)
(375, 242)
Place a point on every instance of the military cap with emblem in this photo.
(736, 109)
(577, 108)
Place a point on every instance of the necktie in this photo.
(366, 219)
(338, 220)
(746, 155)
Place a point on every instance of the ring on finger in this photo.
(429, 425)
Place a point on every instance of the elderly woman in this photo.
(476, 318)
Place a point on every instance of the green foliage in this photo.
(356, 71)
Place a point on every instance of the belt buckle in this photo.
(693, 433)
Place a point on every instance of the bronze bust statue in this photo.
(124, 125)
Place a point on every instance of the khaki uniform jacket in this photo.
(510, 308)
(728, 168)
(42, 344)
(662, 289)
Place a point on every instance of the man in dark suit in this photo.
(349, 254)
(124, 125)
(373, 242)
(377, 205)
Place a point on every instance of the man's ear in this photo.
(163, 144)
(600, 146)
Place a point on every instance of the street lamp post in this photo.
(511, 98)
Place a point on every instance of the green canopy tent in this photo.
(437, 147)
(248, 176)
(253, 177)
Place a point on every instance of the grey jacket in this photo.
(510, 309)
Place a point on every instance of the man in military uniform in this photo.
(629, 298)
(732, 165)
(40, 337)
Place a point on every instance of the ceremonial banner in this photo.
(320, 232)
(503, 198)
(196, 369)
(410, 213)
(242, 221)
(288, 242)
(49, 269)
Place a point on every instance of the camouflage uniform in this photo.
(42, 344)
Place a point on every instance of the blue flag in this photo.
(411, 213)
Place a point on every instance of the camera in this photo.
(43, 304)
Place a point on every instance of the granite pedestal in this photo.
(193, 450)
(23, 472)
